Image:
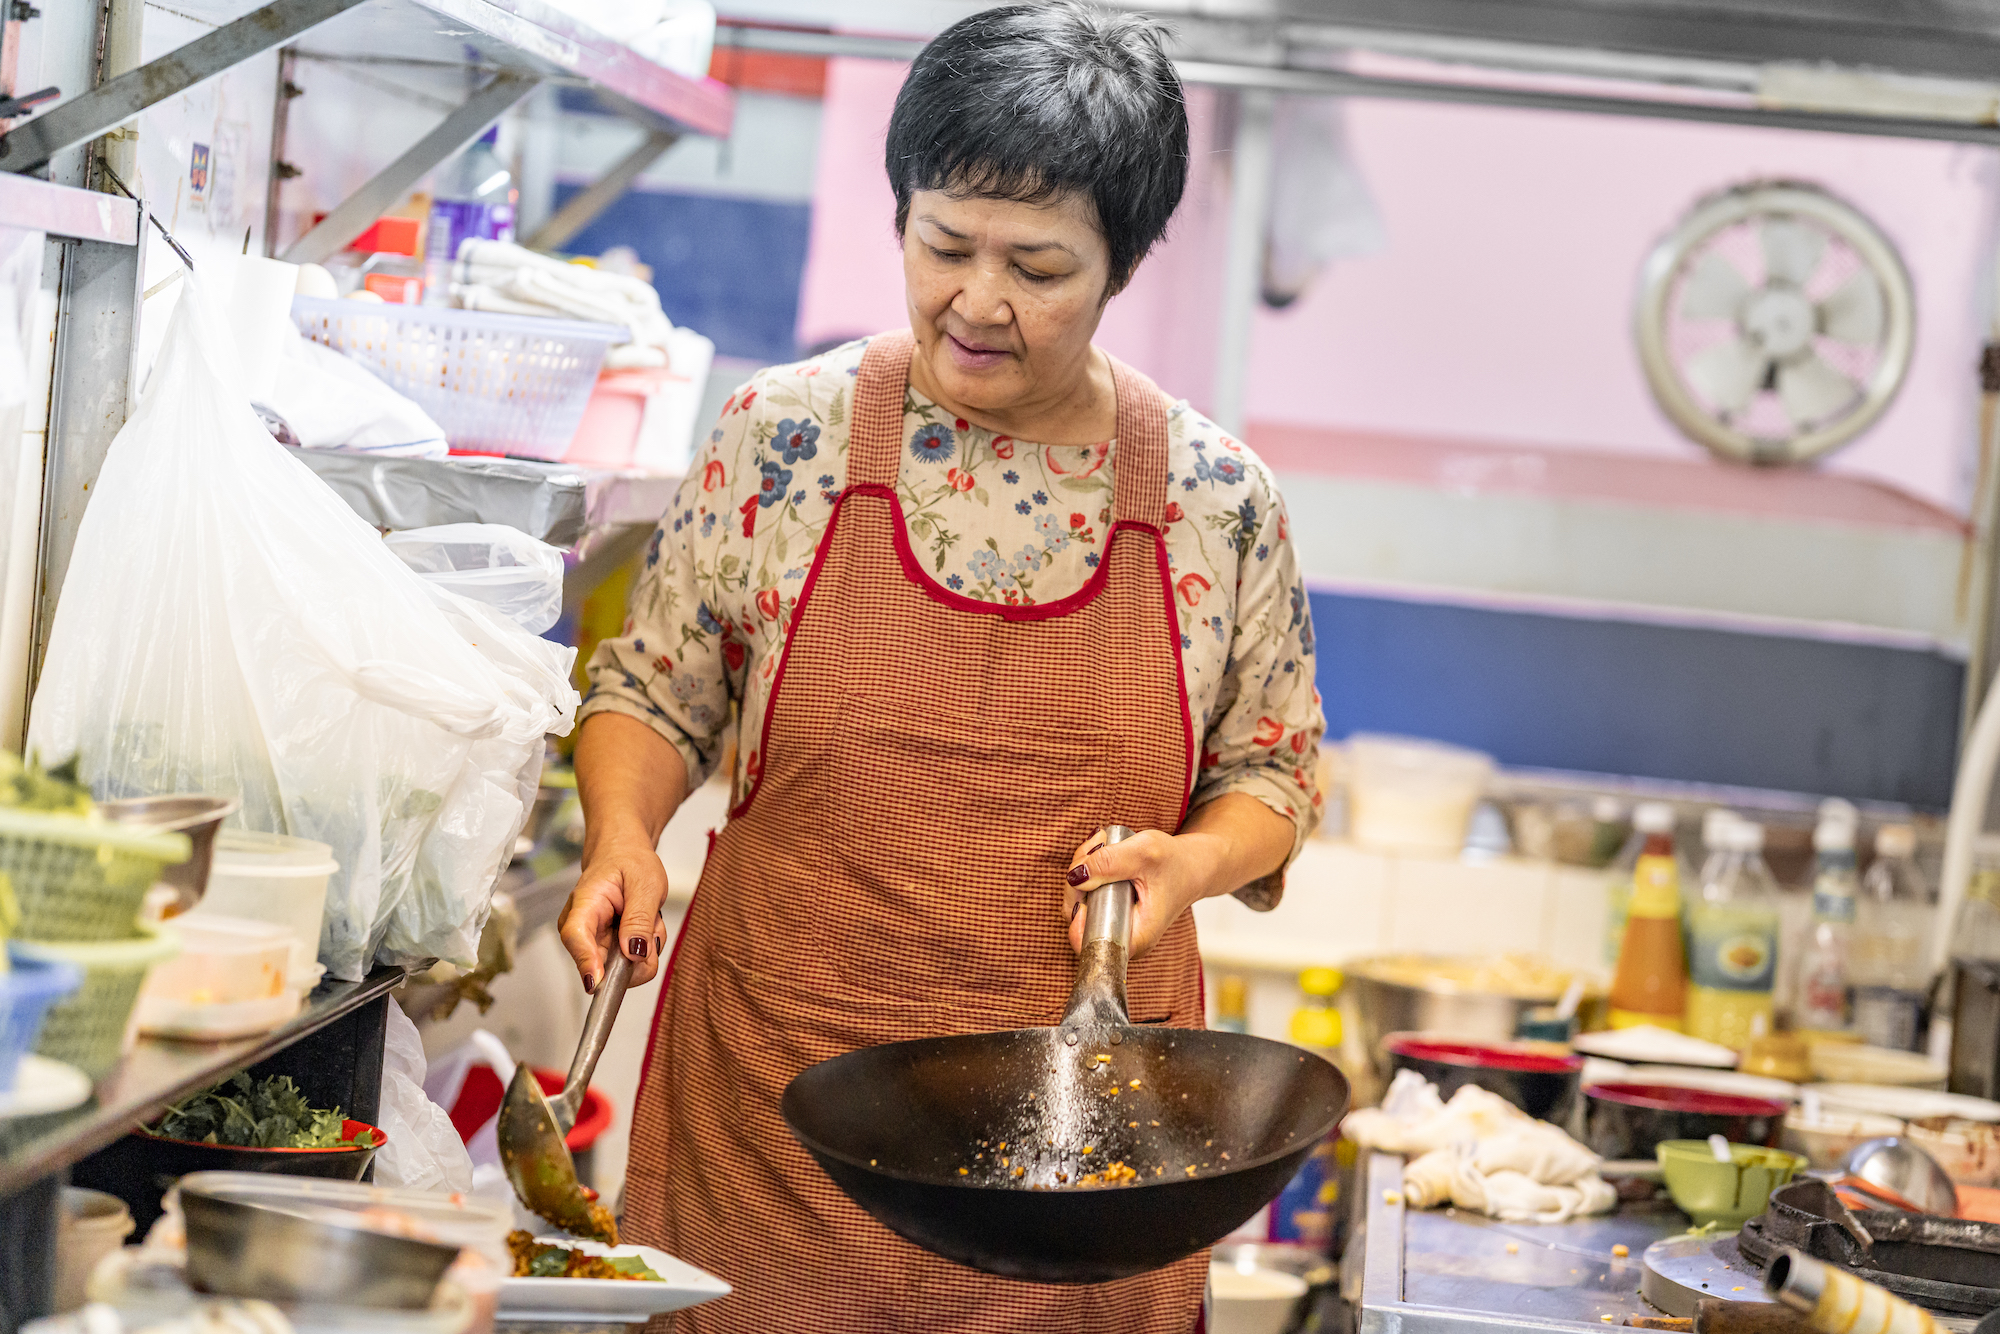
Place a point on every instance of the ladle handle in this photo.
(604, 1003)
(1099, 996)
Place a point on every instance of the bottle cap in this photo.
(1653, 817)
(1714, 826)
(1833, 835)
(1607, 810)
(1895, 840)
(1744, 836)
(1840, 811)
(1320, 981)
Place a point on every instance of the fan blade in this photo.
(1713, 290)
(1791, 249)
(1727, 373)
(1812, 391)
(1853, 314)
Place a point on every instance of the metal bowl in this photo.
(305, 1255)
(1380, 1006)
(196, 816)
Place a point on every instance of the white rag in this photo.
(505, 278)
(1481, 1152)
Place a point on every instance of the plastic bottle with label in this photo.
(1607, 818)
(1823, 980)
(1650, 984)
(1307, 1211)
(475, 200)
(1892, 925)
(1732, 937)
(1232, 1004)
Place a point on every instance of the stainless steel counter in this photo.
(1450, 1272)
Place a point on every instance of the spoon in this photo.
(1719, 1146)
(532, 1126)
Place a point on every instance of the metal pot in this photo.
(198, 817)
(1378, 1006)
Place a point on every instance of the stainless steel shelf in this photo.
(159, 1072)
(61, 210)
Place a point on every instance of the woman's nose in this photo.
(983, 300)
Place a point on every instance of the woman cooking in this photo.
(976, 590)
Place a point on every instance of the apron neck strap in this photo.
(1139, 461)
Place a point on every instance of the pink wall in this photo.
(1501, 309)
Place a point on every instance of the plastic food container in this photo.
(92, 1226)
(608, 435)
(271, 878)
(90, 1028)
(1253, 1301)
(223, 959)
(26, 993)
(1409, 795)
(1827, 1139)
(81, 879)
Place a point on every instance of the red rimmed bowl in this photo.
(1631, 1120)
(1538, 1077)
(139, 1168)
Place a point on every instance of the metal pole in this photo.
(390, 184)
(602, 193)
(101, 109)
(1243, 265)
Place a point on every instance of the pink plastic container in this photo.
(608, 435)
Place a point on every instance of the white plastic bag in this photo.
(422, 1151)
(503, 568)
(332, 401)
(230, 626)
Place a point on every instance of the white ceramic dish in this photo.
(1655, 1046)
(1715, 1081)
(1909, 1104)
(1827, 1140)
(1849, 1063)
(42, 1086)
(607, 1301)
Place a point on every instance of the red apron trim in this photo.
(1189, 756)
(665, 979)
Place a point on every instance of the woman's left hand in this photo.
(1224, 845)
(1168, 874)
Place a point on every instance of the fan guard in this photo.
(1774, 323)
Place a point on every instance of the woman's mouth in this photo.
(971, 357)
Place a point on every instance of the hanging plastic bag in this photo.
(503, 568)
(230, 626)
(423, 1150)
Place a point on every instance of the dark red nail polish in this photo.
(1098, 848)
(1078, 874)
(590, 985)
(1075, 908)
(636, 947)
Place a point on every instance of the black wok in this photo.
(992, 1149)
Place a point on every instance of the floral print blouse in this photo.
(997, 519)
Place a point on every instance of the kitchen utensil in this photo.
(91, 1226)
(1837, 1302)
(1828, 1138)
(978, 1147)
(1945, 1264)
(304, 1254)
(1719, 1146)
(1542, 1081)
(198, 817)
(1726, 1192)
(78, 879)
(448, 1219)
(1249, 1299)
(1897, 1165)
(1411, 993)
(1629, 1120)
(532, 1126)
(594, 1302)
(1853, 1063)
(132, 1167)
(1649, 1045)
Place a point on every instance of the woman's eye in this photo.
(945, 254)
(1031, 276)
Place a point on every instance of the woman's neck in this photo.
(1084, 412)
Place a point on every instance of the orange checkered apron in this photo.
(896, 871)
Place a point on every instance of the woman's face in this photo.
(1004, 297)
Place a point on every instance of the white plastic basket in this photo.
(497, 384)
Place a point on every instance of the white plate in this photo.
(42, 1086)
(606, 1300)
(1715, 1081)
(1655, 1046)
(1909, 1104)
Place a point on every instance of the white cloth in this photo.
(1481, 1152)
(505, 278)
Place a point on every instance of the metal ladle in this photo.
(532, 1126)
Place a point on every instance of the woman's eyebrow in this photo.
(931, 221)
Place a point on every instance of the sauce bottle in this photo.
(1733, 939)
(1823, 981)
(1650, 984)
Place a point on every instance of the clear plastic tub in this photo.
(271, 878)
(223, 960)
(1412, 795)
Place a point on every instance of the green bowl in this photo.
(1727, 1194)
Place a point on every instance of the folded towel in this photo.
(510, 279)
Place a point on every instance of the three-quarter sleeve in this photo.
(1265, 726)
(671, 668)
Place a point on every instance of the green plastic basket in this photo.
(87, 1030)
(80, 879)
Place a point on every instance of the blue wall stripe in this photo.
(726, 268)
(1690, 704)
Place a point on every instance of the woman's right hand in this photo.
(616, 905)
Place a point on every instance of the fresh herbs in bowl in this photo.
(271, 1114)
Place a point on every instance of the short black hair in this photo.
(1034, 101)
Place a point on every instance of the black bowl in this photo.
(1629, 1120)
(1538, 1077)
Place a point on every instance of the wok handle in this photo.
(597, 1024)
(1099, 995)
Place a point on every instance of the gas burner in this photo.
(1945, 1264)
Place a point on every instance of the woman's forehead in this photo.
(1064, 222)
